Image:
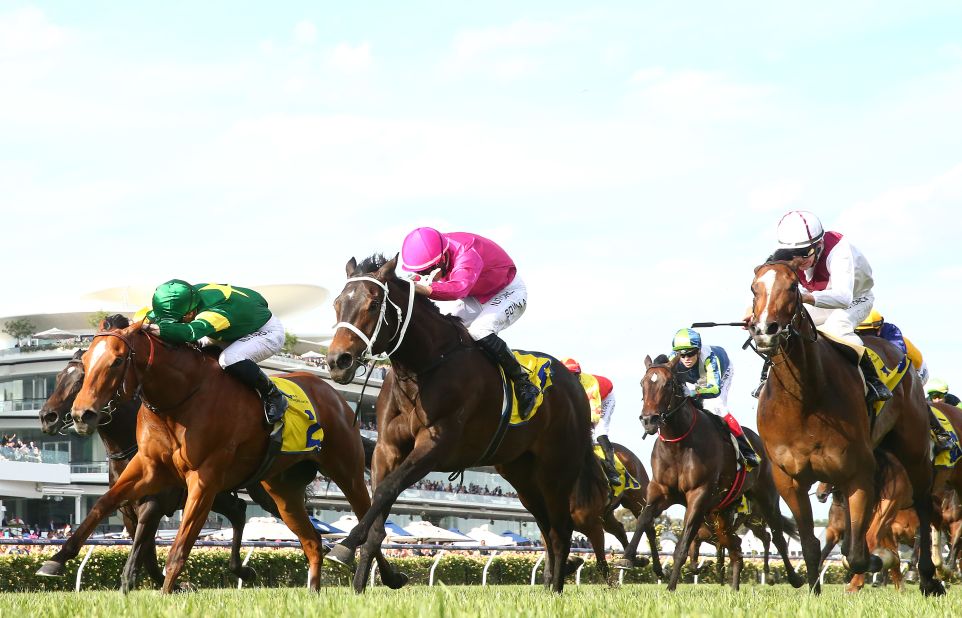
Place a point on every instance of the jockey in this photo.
(233, 318)
(937, 390)
(835, 282)
(876, 326)
(707, 372)
(601, 398)
(479, 275)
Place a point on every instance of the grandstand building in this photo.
(50, 481)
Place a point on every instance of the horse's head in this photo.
(823, 491)
(108, 367)
(57, 406)
(361, 310)
(662, 394)
(777, 306)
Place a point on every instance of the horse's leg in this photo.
(615, 527)
(831, 540)
(767, 545)
(196, 509)
(657, 502)
(137, 480)
(796, 497)
(143, 550)
(922, 502)
(519, 475)
(860, 497)
(235, 510)
(596, 536)
(730, 540)
(289, 496)
(694, 552)
(698, 504)
(767, 502)
(720, 566)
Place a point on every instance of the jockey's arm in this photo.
(840, 291)
(457, 284)
(712, 386)
(201, 326)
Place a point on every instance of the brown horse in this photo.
(949, 523)
(596, 517)
(118, 431)
(694, 464)
(440, 409)
(813, 420)
(201, 429)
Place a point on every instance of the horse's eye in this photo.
(375, 305)
(117, 362)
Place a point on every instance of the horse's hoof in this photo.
(395, 581)
(342, 556)
(630, 563)
(572, 565)
(934, 588)
(184, 588)
(875, 564)
(50, 569)
(247, 574)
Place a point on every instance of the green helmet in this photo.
(935, 385)
(685, 339)
(172, 301)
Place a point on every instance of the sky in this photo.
(633, 158)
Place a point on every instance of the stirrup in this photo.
(758, 389)
(877, 391)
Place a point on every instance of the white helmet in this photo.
(799, 229)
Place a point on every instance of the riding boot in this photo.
(762, 379)
(524, 390)
(745, 448)
(942, 439)
(275, 403)
(608, 463)
(876, 390)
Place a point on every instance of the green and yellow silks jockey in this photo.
(235, 319)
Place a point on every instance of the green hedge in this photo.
(207, 568)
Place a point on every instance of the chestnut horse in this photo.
(694, 464)
(440, 409)
(596, 517)
(813, 420)
(895, 498)
(202, 429)
(118, 432)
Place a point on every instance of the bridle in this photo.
(675, 402)
(784, 336)
(403, 321)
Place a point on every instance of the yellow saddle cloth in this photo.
(539, 372)
(626, 481)
(947, 458)
(890, 377)
(302, 432)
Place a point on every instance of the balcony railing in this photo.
(9, 453)
(89, 467)
(21, 405)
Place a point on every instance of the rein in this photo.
(694, 421)
(786, 335)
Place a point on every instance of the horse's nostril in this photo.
(772, 329)
(344, 361)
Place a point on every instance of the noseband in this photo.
(403, 320)
(785, 335)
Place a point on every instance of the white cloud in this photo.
(694, 94)
(305, 33)
(351, 59)
(503, 51)
(27, 31)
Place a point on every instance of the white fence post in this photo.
(83, 563)
(484, 573)
(247, 558)
(373, 572)
(578, 574)
(701, 561)
(534, 571)
(434, 566)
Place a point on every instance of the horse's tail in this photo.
(369, 445)
(589, 480)
(789, 527)
(883, 469)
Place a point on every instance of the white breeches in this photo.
(494, 316)
(257, 346)
(603, 424)
(842, 322)
(719, 405)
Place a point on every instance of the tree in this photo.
(95, 318)
(19, 329)
(290, 341)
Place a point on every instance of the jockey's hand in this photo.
(747, 317)
(808, 298)
(423, 290)
(431, 275)
(152, 329)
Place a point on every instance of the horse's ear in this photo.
(350, 267)
(647, 361)
(386, 271)
(104, 325)
(78, 354)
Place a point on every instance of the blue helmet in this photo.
(686, 339)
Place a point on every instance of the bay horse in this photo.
(118, 432)
(200, 428)
(694, 464)
(895, 498)
(439, 409)
(596, 517)
(815, 425)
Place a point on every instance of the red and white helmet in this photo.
(422, 249)
(799, 229)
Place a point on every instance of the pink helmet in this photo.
(422, 249)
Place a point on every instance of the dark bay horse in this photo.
(596, 517)
(694, 463)
(813, 419)
(440, 409)
(118, 432)
(202, 429)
